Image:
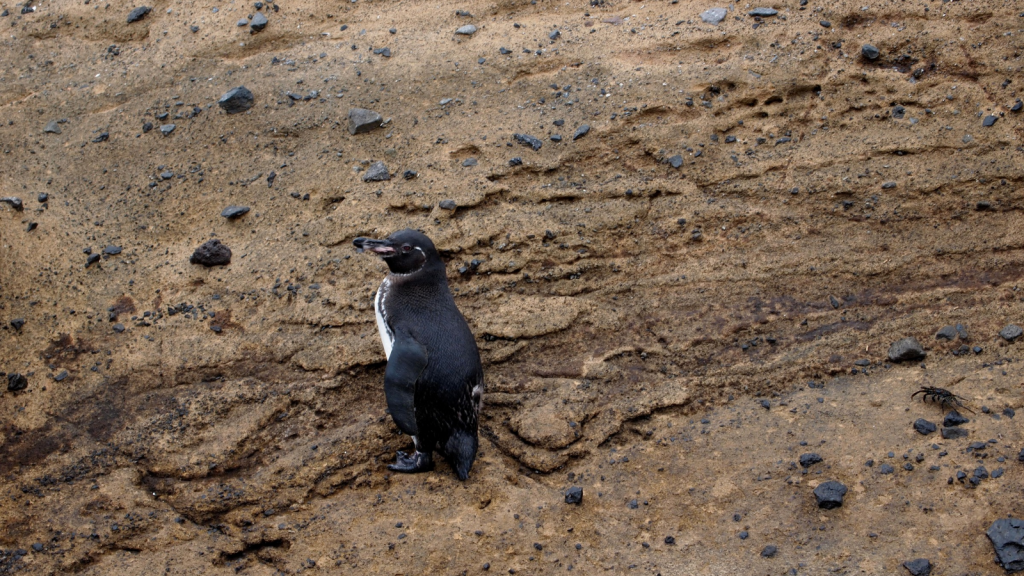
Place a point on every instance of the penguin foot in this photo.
(411, 464)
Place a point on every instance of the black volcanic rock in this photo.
(830, 494)
(16, 382)
(212, 253)
(236, 100)
(361, 121)
(1007, 536)
(138, 13)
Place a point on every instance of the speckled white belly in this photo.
(386, 337)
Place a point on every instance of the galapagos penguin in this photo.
(433, 381)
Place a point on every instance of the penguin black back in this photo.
(434, 379)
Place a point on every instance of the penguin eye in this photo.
(406, 248)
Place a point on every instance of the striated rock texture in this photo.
(673, 265)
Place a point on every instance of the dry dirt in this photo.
(632, 315)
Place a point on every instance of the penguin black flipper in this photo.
(407, 361)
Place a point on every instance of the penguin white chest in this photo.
(387, 338)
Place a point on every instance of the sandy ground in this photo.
(755, 214)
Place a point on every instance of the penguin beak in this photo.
(381, 247)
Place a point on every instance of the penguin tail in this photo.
(461, 452)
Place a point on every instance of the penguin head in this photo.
(405, 251)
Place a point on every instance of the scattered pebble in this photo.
(118, 327)
(236, 100)
(574, 495)
(16, 382)
(713, 15)
(361, 121)
(52, 127)
(675, 161)
(234, 211)
(377, 172)
(18, 323)
(166, 129)
(211, 253)
(989, 121)
(953, 432)
(92, 259)
(954, 419)
(467, 30)
(138, 13)
(581, 132)
(906, 350)
(830, 494)
(259, 22)
(447, 205)
(924, 427)
(869, 52)
(112, 250)
(809, 459)
(13, 202)
(1006, 535)
(1011, 332)
(763, 12)
(769, 551)
(918, 567)
(527, 140)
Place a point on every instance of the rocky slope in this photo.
(752, 206)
